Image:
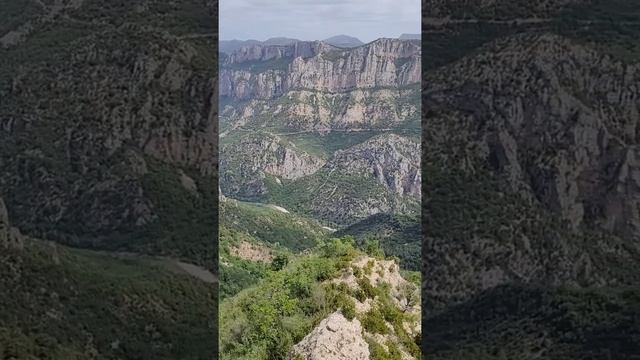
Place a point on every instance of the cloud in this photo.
(318, 19)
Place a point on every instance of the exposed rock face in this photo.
(10, 237)
(306, 110)
(320, 67)
(244, 164)
(326, 100)
(132, 101)
(333, 339)
(393, 160)
(550, 138)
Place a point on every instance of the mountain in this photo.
(108, 148)
(343, 41)
(307, 128)
(229, 46)
(316, 143)
(529, 141)
(410, 37)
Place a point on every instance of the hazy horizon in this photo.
(366, 20)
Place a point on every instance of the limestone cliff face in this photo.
(379, 175)
(393, 160)
(320, 67)
(245, 164)
(567, 139)
(306, 110)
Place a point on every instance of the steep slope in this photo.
(107, 141)
(63, 303)
(98, 102)
(326, 132)
(380, 175)
(529, 136)
(368, 307)
(398, 235)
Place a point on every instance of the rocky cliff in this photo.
(318, 66)
(319, 102)
(10, 237)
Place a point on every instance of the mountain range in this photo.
(319, 152)
(342, 41)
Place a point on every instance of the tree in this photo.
(279, 262)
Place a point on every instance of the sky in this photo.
(318, 19)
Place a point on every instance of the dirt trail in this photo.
(198, 272)
(172, 264)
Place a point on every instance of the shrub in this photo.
(348, 308)
(377, 352)
(279, 262)
(366, 287)
(373, 322)
(394, 351)
(372, 248)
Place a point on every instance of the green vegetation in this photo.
(398, 235)
(61, 303)
(235, 274)
(264, 321)
(186, 223)
(581, 324)
(325, 145)
(270, 225)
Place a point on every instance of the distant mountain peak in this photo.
(409, 37)
(343, 41)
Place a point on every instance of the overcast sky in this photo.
(318, 19)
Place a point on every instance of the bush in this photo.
(368, 289)
(394, 351)
(372, 248)
(348, 308)
(377, 352)
(279, 262)
(373, 322)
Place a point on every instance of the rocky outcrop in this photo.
(549, 138)
(245, 164)
(319, 67)
(393, 160)
(334, 338)
(10, 237)
(305, 110)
